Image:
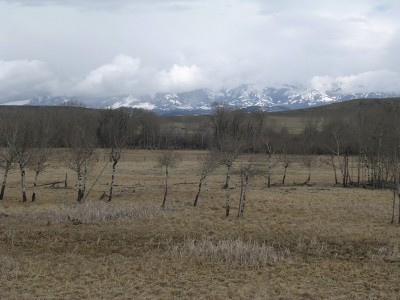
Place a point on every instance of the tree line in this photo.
(362, 148)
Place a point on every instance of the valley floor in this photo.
(294, 242)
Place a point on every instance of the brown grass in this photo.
(294, 242)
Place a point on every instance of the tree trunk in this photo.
(198, 191)
(394, 205)
(334, 168)
(166, 188)
(284, 175)
(228, 191)
(345, 171)
(112, 180)
(85, 173)
(80, 187)
(228, 176)
(246, 182)
(66, 180)
(23, 180)
(309, 176)
(398, 196)
(34, 186)
(3, 185)
(241, 196)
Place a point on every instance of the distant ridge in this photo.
(201, 101)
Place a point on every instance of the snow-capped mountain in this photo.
(201, 101)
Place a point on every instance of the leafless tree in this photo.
(220, 121)
(285, 161)
(283, 146)
(308, 135)
(167, 160)
(7, 154)
(80, 156)
(396, 188)
(267, 149)
(22, 148)
(117, 121)
(247, 170)
(207, 164)
(229, 151)
(41, 154)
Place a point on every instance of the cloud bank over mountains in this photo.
(101, 48)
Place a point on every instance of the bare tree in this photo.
(229, 151)
(167, 160)
(309, 133)
(220, 121)
(247, 170)
(118, 120)
(268, 151)
(41, 154)
(285, 160)
(396, 189)
(7, 155)
(80, 156)
(284, 152)
(23, 151)
(207, 164)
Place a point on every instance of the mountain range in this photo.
(201, 101)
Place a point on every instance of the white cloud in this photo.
(180, 78)
(117, 77)
(22, 78)
(126, 75)
(377, 81)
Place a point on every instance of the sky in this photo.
(138, 47)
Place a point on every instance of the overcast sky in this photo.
(106, 47)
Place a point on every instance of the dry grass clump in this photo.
(91, 213)
(313, 247)
(232, 252)
(385, 254)
(9, 268)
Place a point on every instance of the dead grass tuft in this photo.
(91, 213)
(385, 254)
(232, 252)
(9, 268)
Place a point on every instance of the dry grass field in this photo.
(294, 242)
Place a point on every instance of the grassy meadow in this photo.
(318, 241)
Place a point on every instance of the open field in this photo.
(294, 242)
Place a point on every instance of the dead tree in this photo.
(207, 164)
(167, 160)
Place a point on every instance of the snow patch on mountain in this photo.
(201, 101)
